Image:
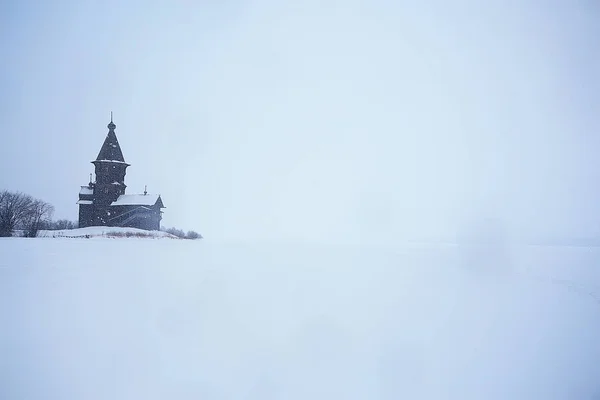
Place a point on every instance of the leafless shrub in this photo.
(182, 235)
(193, 235)
(176, 232)
(62, 224)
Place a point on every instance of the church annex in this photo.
(104, 202)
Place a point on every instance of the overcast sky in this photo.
(312, 119)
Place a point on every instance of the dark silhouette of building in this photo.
(104, 202)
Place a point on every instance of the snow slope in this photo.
(103, 232)
(158, 319)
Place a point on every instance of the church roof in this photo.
(138, 200)
(111, 150)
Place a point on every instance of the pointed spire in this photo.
(110, 150)
(145, 190)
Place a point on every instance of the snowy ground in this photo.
(103, 232)
(170, 319)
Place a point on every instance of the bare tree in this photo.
(14, 206)
(39, 214)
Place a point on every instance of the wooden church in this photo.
(104, 202)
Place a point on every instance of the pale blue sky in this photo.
(316, 119)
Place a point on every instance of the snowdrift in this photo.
(106, 232)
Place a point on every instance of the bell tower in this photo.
(110, 169)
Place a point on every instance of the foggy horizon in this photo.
(323, 121)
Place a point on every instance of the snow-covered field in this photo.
(171, 319)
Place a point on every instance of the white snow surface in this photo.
(136, 199)
(86, 190)
(162, 319)
(101, 232)
(112, 161)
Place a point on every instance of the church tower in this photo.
(110, 169)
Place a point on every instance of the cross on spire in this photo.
(111, 125)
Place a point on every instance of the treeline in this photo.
(22, 211)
